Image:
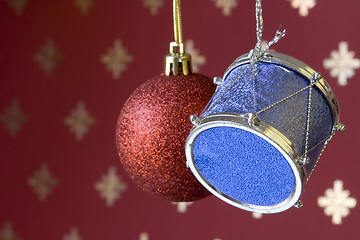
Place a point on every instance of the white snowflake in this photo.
(116, 59)
(182, 206)
(337, 202)
(18, 6)
(196, 58)
(110, 187)
(48, 57)
(79, 121)
(74, 235)
(7, 233)
(303, 5)
(144, 236)
(13, 118)
(342, 63)
(257, 215)
(84, 5)
(226, 5)
(42, 182)
(153, 5)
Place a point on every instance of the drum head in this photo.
(249, 167)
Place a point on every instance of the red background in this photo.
(81, 76)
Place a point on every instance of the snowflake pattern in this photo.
(48, 57)
(84, 5)
(110, 187)
(73, 235)
(13, 118)
(153, 5)
(182, 206)
(337, 202)
(144, 236)
(342, 63)
(257, 215)
(226, 6)
(42, 182)
(116, 59)
(79, 121)
(18, 6)
(303, 6)
(7, 233)
(197, 59)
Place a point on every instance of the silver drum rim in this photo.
(263, 130)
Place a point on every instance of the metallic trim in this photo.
(339, 127)
(299, 204)
(263, 130)
(298, 66)
(218, 80)
(195, 120)
(177, 61)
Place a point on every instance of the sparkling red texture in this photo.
(152, 130)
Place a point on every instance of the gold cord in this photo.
(177, 21)
(286, 98)
(321, 153)
(255, 73)
(312, 80)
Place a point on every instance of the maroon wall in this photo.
(36, 105)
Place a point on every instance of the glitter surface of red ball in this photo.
(152, 130)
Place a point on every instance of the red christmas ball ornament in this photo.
(152, 130)
(154, 124)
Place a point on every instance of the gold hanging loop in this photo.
(177, 21)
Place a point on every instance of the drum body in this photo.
(247, 145)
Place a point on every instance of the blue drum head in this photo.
(244, 165)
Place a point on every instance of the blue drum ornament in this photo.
(261, 135)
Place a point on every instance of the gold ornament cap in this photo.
(177, 61)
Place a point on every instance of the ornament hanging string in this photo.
(178, 45)
(257, 52)
(259, 25)
(178, 37)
